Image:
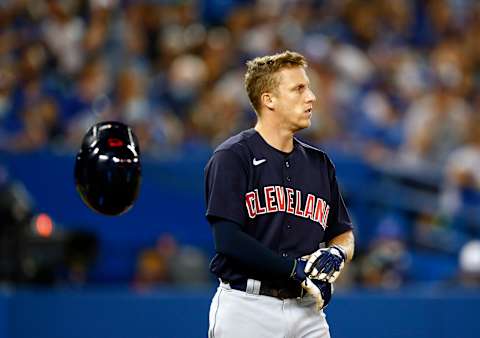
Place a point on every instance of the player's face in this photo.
(294, 99)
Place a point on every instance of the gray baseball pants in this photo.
(238, 314)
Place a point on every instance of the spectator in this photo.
(170, 263)
(386, 263)
(435, 124)
(461, 195)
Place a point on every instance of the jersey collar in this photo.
(264, 144)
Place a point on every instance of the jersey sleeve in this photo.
(225, 187)
(339, 220)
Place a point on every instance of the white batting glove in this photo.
(326, 264)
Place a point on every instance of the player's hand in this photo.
(326, 264)
(321, 292)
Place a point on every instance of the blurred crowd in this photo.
(397, 85)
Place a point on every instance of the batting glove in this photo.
(325, 264)
(320, 291)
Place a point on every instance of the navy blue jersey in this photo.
(288, 202)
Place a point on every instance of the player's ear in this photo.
(267, 100)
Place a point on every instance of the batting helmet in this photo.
(107, 168)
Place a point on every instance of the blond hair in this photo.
(261, 75)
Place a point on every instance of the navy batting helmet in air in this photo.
(107, 168)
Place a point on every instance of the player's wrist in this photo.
(342, 251)
(298, 270)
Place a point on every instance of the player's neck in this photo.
(276, 137)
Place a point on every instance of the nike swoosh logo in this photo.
(258, 162)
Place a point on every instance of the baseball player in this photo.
(281, 230)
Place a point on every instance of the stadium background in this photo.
(398, 92)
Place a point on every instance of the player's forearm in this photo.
(346, 241)
(230, 241)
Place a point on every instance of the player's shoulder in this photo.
(312, 151)
(234, 151)
(317, 154)
(236, 143)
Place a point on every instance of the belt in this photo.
(266, 289)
